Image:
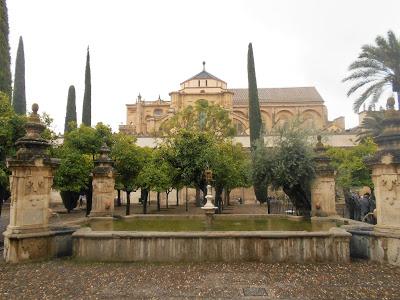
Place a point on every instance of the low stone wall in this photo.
(263, 246)
(376, 246)
(57, 242)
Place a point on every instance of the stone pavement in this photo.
(68, 279)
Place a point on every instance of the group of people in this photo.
(361, 207)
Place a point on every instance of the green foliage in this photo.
(81, 145)
(129, 160)
(255, 121)
(289, 165)
(371, 126)
(5, 71)
(88, 140)
(157, 174)
(87, 98)
(70, 116)
(231, 166)
(187, 153)
(72, 177)
(190, 153)
(375, 70)
(74, 171)
(19, 97)
(293, 158)
(254, 105)
(202, 117)
(350, 166)
(12, 127)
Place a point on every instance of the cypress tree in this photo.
(70, 115)
(19, 97)
(5, 71)
(260, 188)
(87, 98)
(254, 105)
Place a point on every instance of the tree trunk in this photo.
(144, 194)
(198, 202)
(128, 203)
(187, 208)
(167, 195)
(228, 197)
(218, 198)
(118, 197)
(177, 197)
(158, 201)
(300, 199)
(268, 205)
(89, 195)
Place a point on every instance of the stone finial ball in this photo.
(391, 102)
(35, 108)
(319, 138)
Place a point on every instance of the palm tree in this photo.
(371, 126)
(376, 69)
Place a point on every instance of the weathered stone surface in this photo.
(386, 173)
(103, 185)
(212, 246)
(323, 186)
(27, 235)
(375, 246)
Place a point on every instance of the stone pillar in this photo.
(28, 236)
(386, 172)
(103, 185)
(323, 186)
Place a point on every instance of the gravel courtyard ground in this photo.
(68, 279)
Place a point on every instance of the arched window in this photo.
(282, 118)
(239, 127)
(157, 112)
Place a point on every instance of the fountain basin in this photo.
(193, 246)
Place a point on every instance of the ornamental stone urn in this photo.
(103, 185)
(386, 172)
(323, 186)
(28, 235)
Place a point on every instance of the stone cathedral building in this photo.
(277, 105)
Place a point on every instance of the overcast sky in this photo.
(152, 46)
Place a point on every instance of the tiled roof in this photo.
(295, 94)
(204, 75)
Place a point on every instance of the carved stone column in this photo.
(323, 186)
(28, 236)
(103, 185)
(386, 172)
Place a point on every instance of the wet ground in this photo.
(68, 279)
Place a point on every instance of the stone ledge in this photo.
(88, 233)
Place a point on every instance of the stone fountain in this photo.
(209, 207)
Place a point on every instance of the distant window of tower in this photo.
(206, 82)
(158, 112)
(199, 82)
